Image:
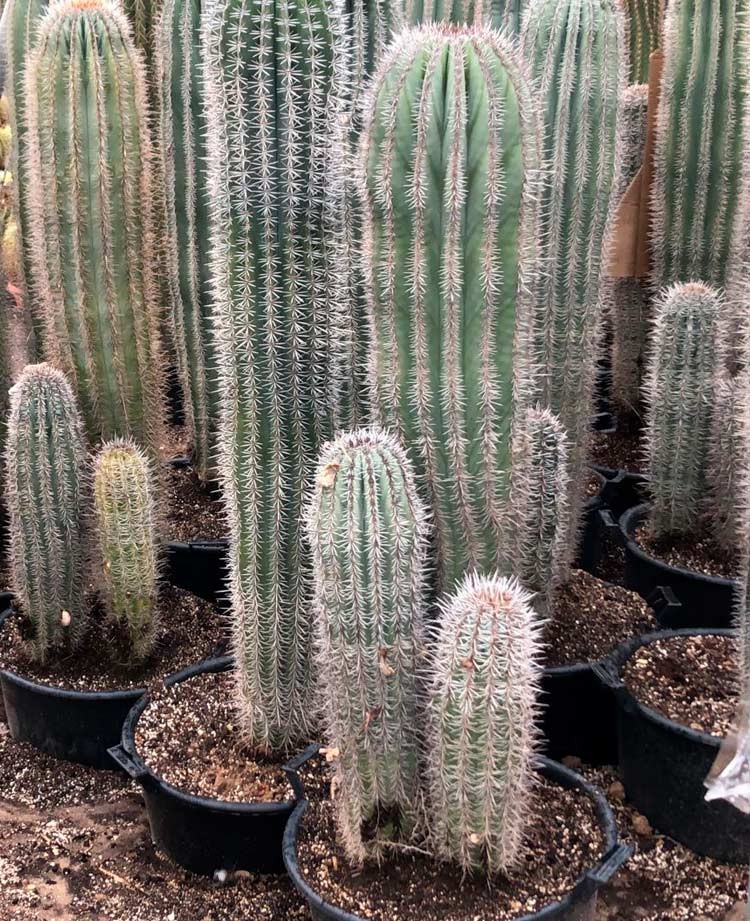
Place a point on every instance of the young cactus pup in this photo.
(366, 527)
(90, 175)
(48, 504)
(124, 502)
(482, 735)
(450, 310)
(679, 393)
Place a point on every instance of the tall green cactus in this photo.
(366, 527)
(183, 148)
(48, 503)
(679, 391)
(274, 92)
(451, 165)
(578, 55)
(726, 459)
(90, 208)
(481, 728)
(537, 538)
(644, 28)
(124, 502)
(699, 197)
(500, 14)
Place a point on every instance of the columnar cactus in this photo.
(452, 249)
(273, 92)
(481, 725)
(144, 18)
(726, 459)
(578, 55)
(536, 542)
(48, 504)
(700, 196)
(183, 148)
(644, 27)
(366, 527)
(679, 391)
(627, 296)
(124, 502)
(90, 205)
(501, 14)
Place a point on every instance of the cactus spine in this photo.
(500, 14)
(537, 535)
(90, 171)
(48, 502)
(366, 527)
(700, 195)
(450, 181)
(644, 27)
(679, 394)
(627, 296)
(481, 732)
(577, 52)
(124, 493)
(183, 144)
(269, 110)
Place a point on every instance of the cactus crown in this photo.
(366, 527)
(482, 737)
(679, 391)
(90, 215)
(48, 503)
(126, 518)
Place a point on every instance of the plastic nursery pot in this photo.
(590, 551)
(71, 725)
(707, 602)
(202, 834)
(578, 905)
(663, 766)
(622, 489)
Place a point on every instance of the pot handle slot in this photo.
(611, 527)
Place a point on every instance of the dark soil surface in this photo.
(590, 617)
(699, 552)
(563, 840)
(618, 450)
(692, 680)
(192, 509)
(188, 631)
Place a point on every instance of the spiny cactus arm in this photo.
(48, 503)
(482, 736)
(92, 236)
(539, 556)
(124, 501)
(367, 530)
(644, 27)
(679, 393)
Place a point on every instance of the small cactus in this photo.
(644, 27)
(481, 727)
(124, 492)
(537, 505)
(48, 502)
(90, 214)
(699, 198)
(366, 527)
(679, 394)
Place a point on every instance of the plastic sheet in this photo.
(729, 778)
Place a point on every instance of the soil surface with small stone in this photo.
(692, 680)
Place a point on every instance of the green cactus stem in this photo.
(499, 14)
(725, 460)
(644, 28)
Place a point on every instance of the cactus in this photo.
(627, 296)
(90, 201)
(481, 727)
(725, 460)
(124, 502)
(539, 555)
(366, 527)
(679, 393)
(183, 142)
(48, 504)
(699, 197)
(644, 27)
(271, 112)
(577, 51)
(452, 241)
(500, 14)
(144, 18)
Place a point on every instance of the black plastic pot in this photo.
(200, 567)
(578, 905)
(590, 550)
(622, 489)
(204, 835)
(71, 725)
(707, 602)
(663, 766)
